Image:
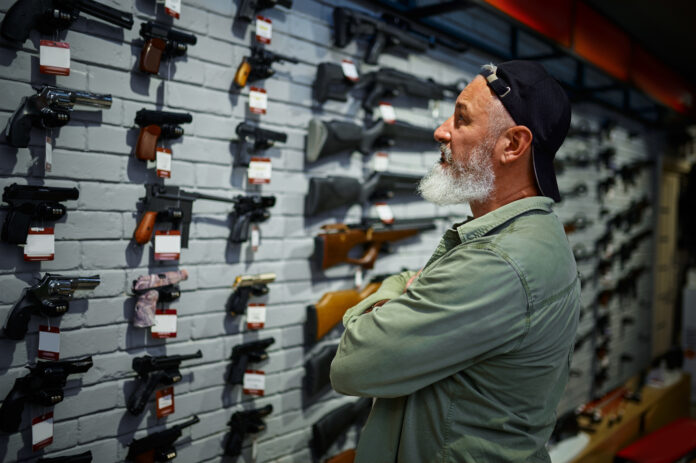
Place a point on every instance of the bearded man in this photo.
(468, 358)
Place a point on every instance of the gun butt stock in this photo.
(329, 193)
(151, 55)
(242, 74)
(146, 147)
(145, 228)
(324, 138)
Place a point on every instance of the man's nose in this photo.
(442, 133)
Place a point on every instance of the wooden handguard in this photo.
(144, 231)
(336, 246)
(151, 55)
(242, 74)
(146, 147)
(347, 456)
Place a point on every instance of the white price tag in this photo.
(164, 162)
(42, 431)
(359, 277)
(264, 30)
(40, 244)
(381, 162)
(350, 72)
(258, 100)
(259, 171)
(48, 159)
(49, 342)
(164, 404)
(387, 112)
(173, 8)
(54, 58)
(254, 382)
(256, 316)
(165, 324)
(167, 245)
(385, 213)
(255, 237)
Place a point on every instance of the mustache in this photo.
(446, 153)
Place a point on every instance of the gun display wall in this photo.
(191, 203)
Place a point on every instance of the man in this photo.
(468, 359)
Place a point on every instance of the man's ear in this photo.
(518, 140)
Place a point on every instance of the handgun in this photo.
(245, 286)
(258, 66)
(242, 354)
(162, 42)
(156, 126)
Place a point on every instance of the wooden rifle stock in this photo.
(328, 312)
(347, 456)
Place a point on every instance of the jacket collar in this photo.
(478, 227)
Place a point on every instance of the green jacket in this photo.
(469, 364)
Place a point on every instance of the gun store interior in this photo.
(213, 209)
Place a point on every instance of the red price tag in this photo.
(255, 237)
(165, 402)
(385, 213)
(40, 244)
(264, 30)
(350, 72)
(167, 245)
(256, 316)
(254, 382)
(54, 58)
(164, 162)
(259, 171)
(49, 342)
(258, 100)
(165, 324)
(381, 162)
(172, 8)
(42, 431)
(387, 112)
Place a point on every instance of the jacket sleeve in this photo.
(463, 308)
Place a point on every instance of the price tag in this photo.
(40, 244)
(381, 162)
(254, 382)
(49, 342)
(255, 237)
(387, 112)
(264, 30)
(167, 245)
(258, 100)
(42, 431)
(350, 72)
(385, 213)
(165, 324)
(165, 402)
(359, 277)
(259, 171)
(172, 8)
(48, 159)
(164, 162)
(256, 316)
(54, 58)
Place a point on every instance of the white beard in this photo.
(455, 183)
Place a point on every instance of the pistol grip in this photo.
(151, 55)
(144, 231)
(11, 412)
(20, 20)
(18, 130)
(18, 321)
(242, 74)
(146, 148)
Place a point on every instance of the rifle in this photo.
(43, 385)
(347, 456)
(328, 312)
(335, 191)
(156, 125)
(167, 373)
(49, 297)
(248, 8)
(242, 354)
(160, 445)
(162, 42)
(324, 138)
(334, 245)
(49, 108)
(171, 204)
(51, 16)
(30, 202)
(263, 139)
(258, 66)
(349, 24)
(85, 457)
(243, 423)
(317, 370)
(331, 83)
(245, 286)
(332, 425)
(154, 288)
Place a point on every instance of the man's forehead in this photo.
(476, 94)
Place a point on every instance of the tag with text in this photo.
(54, 58)
(165, 402)
(256, 316)
(259, 171)
(255, 237)
(48, 156)
(359, 277)
(387, 112)
(254, 382)
(42, 431)
(165, 324)
(381, 162)
(385, 213)
(173, 8)
(264, 30)
(49, 342)
(167, 245)
(164, 162)
(350, 72)
(258, 100)
(40, 245)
